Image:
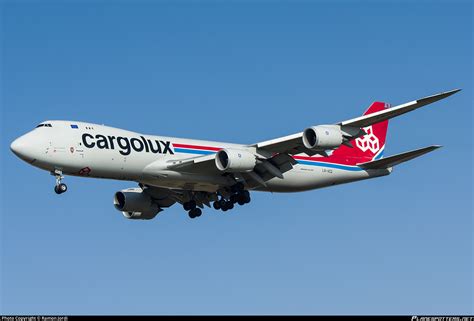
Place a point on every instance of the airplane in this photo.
(196, 173)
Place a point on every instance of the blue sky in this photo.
(240, 72)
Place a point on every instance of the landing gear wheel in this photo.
(243, 197)
(222, 203)
(61, 188)
(189, 205)
(195, 212)
(198, 212)
(247, 199)
(216, 205)
(224, 207)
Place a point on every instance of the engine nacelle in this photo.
(235, 160)
(322, 137)
(135, 204)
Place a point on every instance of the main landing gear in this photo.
(229, 197)
(238, 196)
(193, 211)
(59, 188)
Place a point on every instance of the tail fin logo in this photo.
(369, 141)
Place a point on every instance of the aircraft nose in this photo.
(16, 145)
(21, 147)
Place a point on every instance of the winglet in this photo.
(397, 159)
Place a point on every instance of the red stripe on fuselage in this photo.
(197, 147)
(330, 160)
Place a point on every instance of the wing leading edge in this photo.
(382, 115)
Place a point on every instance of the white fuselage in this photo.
(91, 150)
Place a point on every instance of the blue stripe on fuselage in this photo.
(329, 165)
(192, 151)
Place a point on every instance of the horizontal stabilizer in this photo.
(397, 159)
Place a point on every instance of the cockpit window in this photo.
(44, 125)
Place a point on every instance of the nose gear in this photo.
(59, 188)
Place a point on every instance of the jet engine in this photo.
(322, 137)
(136, 204)
(235, 160)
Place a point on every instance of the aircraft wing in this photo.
(166, 197)
(266, 168)
(204, 164)
(199, 163)
(293, 144)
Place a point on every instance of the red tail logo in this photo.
(369, 141)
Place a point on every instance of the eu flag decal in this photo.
(74, 126)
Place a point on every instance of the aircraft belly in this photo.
(191, 181)
(183, 185)
(303, 178)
